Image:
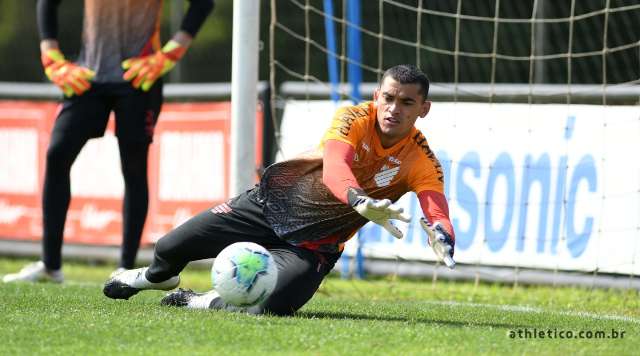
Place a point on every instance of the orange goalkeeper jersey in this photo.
(409, 165)
(302, 210)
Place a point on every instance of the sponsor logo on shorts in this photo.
(223, 208)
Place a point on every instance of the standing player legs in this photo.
(136, 114)
(80, 119)
(62, 152)
(133, 159)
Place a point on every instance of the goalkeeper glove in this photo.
(71, 78)
(380, 211)
(440, 241)
(144, 71)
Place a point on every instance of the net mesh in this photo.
(489, 41)
(489, 51)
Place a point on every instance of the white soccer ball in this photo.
(244, 274)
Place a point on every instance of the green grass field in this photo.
(374, 317)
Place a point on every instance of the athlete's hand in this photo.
(380, 211)
(440, 241)
(144, 71)
(71, 78)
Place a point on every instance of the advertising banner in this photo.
(188, 171)
(22, 150)
(541, 186)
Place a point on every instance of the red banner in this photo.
(188, 171)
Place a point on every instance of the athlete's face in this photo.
(398, 108)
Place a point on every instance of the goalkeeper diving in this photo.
(305, 209)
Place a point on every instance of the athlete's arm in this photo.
(338, 177)
(69, 77)
(336, 172)
(145, 70)
(47, 18)
(192, 21)
(196, 15)
(437, 225)
(436, 209)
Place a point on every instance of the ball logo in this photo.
(249, 266)
(244, 274)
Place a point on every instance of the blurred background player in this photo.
(305, 209)
(119, 69)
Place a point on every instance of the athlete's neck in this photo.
(387, 141)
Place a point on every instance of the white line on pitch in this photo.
(527, 309)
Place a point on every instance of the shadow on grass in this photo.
(420, 320)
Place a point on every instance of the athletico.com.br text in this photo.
(565, 334)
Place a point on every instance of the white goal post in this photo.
(244, 94)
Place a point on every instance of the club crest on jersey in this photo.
(386, 175)
(394, 160)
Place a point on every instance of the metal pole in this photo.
(540, 38)
(354, 48)
(177, 11)
(244, 94)
(332, 59)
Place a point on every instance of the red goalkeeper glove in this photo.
(144, 71)
(71, 78)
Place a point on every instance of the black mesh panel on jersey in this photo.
(300, 207)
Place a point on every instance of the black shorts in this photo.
(136, 112)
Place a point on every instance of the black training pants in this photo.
(84, 117)
(300, 271)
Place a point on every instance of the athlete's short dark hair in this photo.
(408, 74)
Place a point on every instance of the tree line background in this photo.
(209, 59)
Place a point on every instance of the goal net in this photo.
(535, 118)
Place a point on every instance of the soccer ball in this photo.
(244, 274)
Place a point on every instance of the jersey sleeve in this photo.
(336, 169)
(196, 15)
(436, 209)
(348, 125)
(47, 18)
(426, 174)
